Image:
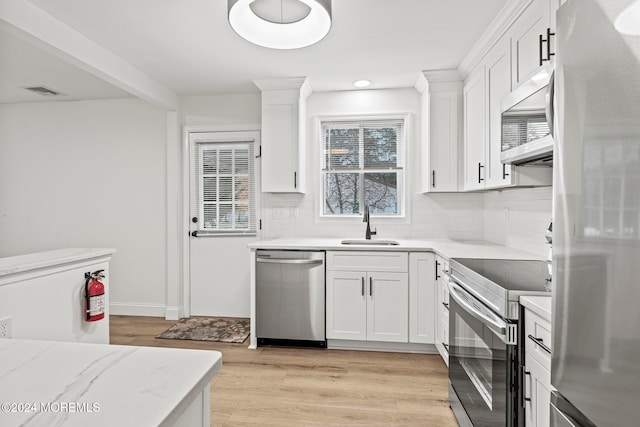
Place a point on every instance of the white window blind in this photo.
(363, 165)
(225, 190)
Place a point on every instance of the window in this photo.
(225, 188)
(363, 165)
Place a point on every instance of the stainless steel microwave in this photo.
(527, 123)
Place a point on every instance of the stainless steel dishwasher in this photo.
(290, 292)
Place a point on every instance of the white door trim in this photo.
(186, 169)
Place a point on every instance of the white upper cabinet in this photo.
(498, 81)
(441, 114)
(475, 112)
(283, 134)
(529, 36)
(510, 60)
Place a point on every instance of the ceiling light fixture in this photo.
(280, 24)
(361, 83)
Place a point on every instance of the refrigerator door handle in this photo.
(548, 110)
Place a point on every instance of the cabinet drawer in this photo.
(368, 261)
(537, 333)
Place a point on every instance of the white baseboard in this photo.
(381, 346)
(136, 309)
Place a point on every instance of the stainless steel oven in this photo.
(485, 335)
(483, 361)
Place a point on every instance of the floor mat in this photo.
(220, 329)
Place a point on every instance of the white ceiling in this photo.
(188, 46)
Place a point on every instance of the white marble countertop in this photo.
(39, 260)
(112, 385)
(445, 247)
(540, 305)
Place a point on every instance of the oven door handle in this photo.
(501, 328)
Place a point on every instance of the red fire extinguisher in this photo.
(93, 296)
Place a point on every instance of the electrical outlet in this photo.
(5, 327)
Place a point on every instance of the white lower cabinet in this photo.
(537, 393)
(442, 307)
(370, 306)
(346, 305)
(422, 297)
(367, 296)
(537, 372)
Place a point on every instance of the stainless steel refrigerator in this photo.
(596, 262)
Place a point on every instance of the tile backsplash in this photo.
(516, 218)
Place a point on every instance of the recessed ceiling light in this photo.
(628, 22)
(361, 83)
(280, 24)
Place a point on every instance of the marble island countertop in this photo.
(44, 383)
(445, 247)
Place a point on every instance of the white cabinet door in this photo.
(441, 115)
(537, 393)
(422, 297)
(346, 305)
(526, 45)
(388, 307)
(283, 134)
(498, 74)
(475, 130)
(442, 309)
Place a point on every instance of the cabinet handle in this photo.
(504, 171)
(527, 386)
(540, 342)
(446, 305)
(433, 178)
(370, 286)
(363, 286)
(549, 53)
(437, 264)
(540, 42)
(446, 347)
(480, 173)
(295, 179)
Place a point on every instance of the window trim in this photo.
(250, 138)
(404, 198)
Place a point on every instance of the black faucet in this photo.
(368, 233)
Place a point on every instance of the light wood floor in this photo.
(300, 387)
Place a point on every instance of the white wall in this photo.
(89, 174)
(222, 110)
(457, 216)
(518, 218)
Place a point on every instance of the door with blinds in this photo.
(223, 198)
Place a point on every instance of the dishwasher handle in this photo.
(289, 261)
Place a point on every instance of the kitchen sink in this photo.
(373, 242)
